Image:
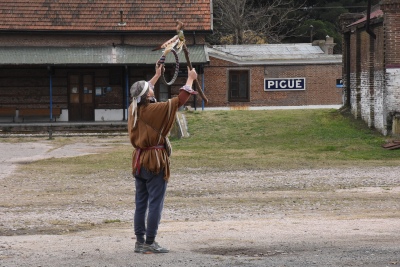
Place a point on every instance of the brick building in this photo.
(75, 60)
(371, 66)
(254, 76)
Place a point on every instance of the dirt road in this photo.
(319, 217)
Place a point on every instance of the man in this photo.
(149, 122)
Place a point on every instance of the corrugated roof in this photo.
(272, 54)
(104, 15)
(280, 50)
(94, 55)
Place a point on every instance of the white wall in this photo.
(108, 115)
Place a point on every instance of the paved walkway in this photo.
(13, 154)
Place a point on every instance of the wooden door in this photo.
(81, 97)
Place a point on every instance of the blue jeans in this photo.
(150, 194)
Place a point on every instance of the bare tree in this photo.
(254, 21)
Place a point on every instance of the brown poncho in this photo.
(152, 120)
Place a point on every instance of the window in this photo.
(239, 85)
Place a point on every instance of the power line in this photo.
(333, 7)
(328, 7)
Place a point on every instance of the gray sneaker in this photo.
(139, 247)
(154, 248)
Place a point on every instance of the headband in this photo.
(135, 101)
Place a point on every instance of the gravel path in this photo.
(320, 217)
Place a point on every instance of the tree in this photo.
(323, 16)
(277, 21)
(253, 21)
(320, 29)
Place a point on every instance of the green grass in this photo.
(242, 140)
(280, 139)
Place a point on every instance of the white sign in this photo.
(282, 84)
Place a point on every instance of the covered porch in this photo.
(81, 84)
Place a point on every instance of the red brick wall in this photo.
(373, 67)
(320, 84)
(391, 10)
(29, 87)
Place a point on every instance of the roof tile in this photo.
(104, 15)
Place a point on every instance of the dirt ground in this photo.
(305, 217)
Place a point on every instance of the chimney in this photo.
(326, 45)
(121, 22)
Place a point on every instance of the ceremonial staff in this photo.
(178, 42)
(179, 30)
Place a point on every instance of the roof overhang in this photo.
(120, 55)
(376, 19)
(375, 16)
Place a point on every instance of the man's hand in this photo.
(192, 73)
(192, 76)
(157, 75)
(159, 69)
